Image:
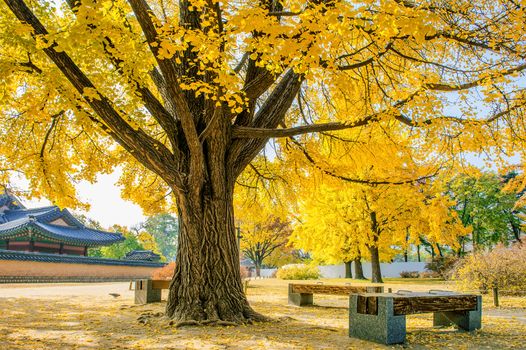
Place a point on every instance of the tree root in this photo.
(203, 323)
(145, 317)
(217, 322)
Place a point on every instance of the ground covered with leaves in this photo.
(88, 317)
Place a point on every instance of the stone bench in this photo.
(381, 317)
(301, 294)
(149, 291)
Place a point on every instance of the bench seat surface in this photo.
(416, 303)
(328, 289)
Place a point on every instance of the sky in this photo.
(107, 206)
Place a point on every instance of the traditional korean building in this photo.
(50, 245)
(143, 255)
(47, 230)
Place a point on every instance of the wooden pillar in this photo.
(6, 244)
(31, 245)
(61, 248)
(85, 250)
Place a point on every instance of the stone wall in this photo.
(45, 269)
(387, 269)
(338, 271)
(39, 267)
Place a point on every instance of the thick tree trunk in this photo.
(207, 283)
(375, 265)
(418, 252)
(258, 271)
(358, 269)
(348, 271)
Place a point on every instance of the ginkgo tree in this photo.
(343, 220)
(183, 95)
(338, 224)
(263, 222)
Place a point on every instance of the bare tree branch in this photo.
(144, 16)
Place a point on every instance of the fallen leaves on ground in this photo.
(102, 322)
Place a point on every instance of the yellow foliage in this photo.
(298, 272)
(386, 61)
(384, 194)
(502, 267)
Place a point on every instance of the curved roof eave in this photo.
(53, 233)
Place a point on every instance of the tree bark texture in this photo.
(207, 283)
(348, 269)
(375, 265)
(358, 269)
(373, 249)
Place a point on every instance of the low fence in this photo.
(338, 271)
(387, 269)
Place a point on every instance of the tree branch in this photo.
(144, 16)
(469, 85)
(270, 115)
(247, 132)
(150, 152)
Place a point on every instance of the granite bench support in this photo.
(302, 294)
(382, 317)
(149, 291)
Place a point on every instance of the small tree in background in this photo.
(262, 239)
(487, 204)
(133, 240)
(165, 230)
(503, 268)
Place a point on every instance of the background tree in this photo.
(165, 229)
(261, 239)
(184, 95)
(339, 223)
(133, 240)
(262, 220)
(284, 255)
(488, 208)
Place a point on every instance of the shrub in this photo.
(429, 274)
(298, 272)
(243, 270)
(442, 265)
(409, 274)
(501, 267)
(164, 273)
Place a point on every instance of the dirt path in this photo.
(85, 316)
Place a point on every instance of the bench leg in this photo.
(466, 320)
(382, 328)
(300, 299)
(144, 293)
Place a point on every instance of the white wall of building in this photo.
(387, 269)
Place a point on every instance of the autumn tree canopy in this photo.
(183, 95)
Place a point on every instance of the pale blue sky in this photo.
(107, 206)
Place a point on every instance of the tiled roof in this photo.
(71, 259)
(144, 255)
(21, 222)
(9, 200)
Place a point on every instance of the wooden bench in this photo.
(149, 291)
(301, 294)
(381, 317)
